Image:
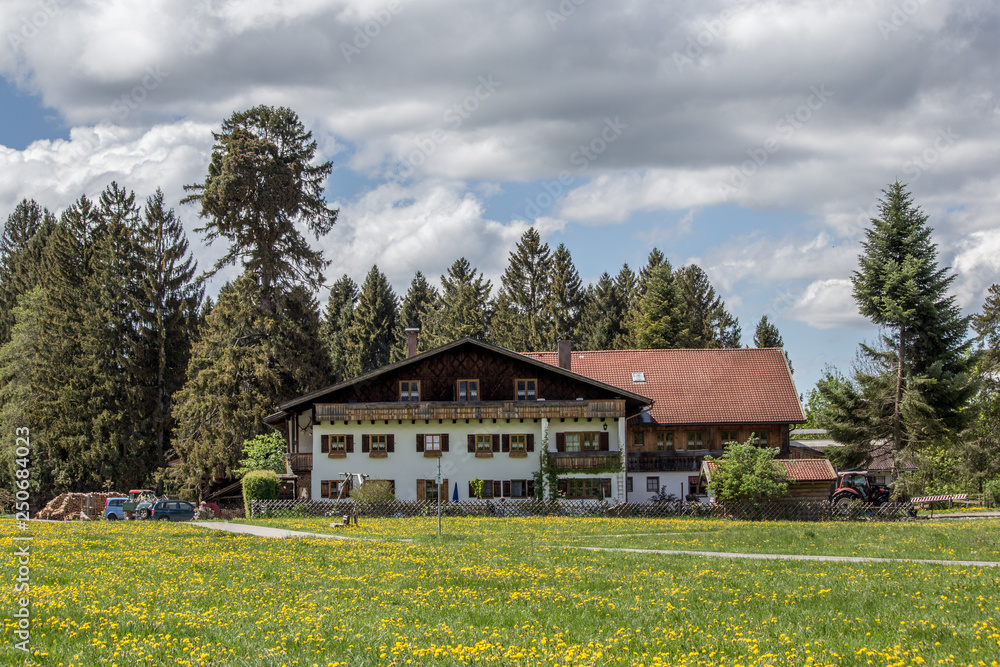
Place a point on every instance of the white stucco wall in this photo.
(405, 465)
(674, 482)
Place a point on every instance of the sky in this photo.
(751, 138)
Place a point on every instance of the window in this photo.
(430, 489)
(520, 488)
(329, 488)
(518, 445)
(638, 439)
(338, 445)
(729, 437)
(484, 444)
(468, 390)
(664, 442)
(639, 377)
(762, 438)
(585, 488)
(573, 442)
(409, 391)
(696, 440)
(653, 484)
(628, 484)
(378, 445)
(525, 390)
(432, 445)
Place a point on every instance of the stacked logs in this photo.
(70, 506)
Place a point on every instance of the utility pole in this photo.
(439, 496)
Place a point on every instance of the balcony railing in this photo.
(610, 409)
(301, 461)
(668, 461)
(585, 460)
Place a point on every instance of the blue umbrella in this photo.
(454, 496)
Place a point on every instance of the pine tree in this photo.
(261, 185)
(21, 246)
(245, 362)
(767, 335)
(980, 454)
(337, 321)
(662, 321)
(421, 298)
(628, 290)
(523, 295)
(464, 308)
(168, 317)
(375, 326)
(565, 301)
(603, 316)
(710, 325)
(914, 387)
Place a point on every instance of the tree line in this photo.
(127, 375)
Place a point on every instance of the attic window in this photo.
(639, 377)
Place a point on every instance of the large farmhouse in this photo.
(620, 425)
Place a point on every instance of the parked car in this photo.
(114, 509)
(135, 496)
(171, 510)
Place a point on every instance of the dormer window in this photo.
(526, 389)
(409, 391)
(468, 390)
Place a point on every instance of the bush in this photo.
(991, 493)
(260, 485)
(263, 452)
(373, 491)
(746, 472)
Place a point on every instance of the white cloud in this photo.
(827, 304)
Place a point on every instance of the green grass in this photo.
(492, 592)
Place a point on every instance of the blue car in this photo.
(171, 510)
(114, 509)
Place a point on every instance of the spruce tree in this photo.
(628, 290)
(710, 324)
(421, 297)
(337, 321)
(21, 246)
(980, 454)
(464, 307)
(523, 294)
(565, 301)
(662, 321)
(767, 335)
(375, 326)
(262, 184)
(603, 316)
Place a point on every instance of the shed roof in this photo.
(797, 470)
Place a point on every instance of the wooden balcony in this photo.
(668, 461)
(301, 462)
(585, 460)
(447, 410)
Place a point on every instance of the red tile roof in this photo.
(720, 386)
(798, 470)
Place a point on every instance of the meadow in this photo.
(502, 592)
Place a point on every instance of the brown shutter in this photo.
(496, 442)
(560, 442)
(605, 441)
(472, 491)
(421, 490)
(390, 443)
(530, 444)
(531, 488)
(324, 444)
(365, 443)
(562, 487)
(420, 442)
(497, 488)
(506, 488)
(472, 444)
(505, 442)
(324, 489)
(444, 442)
(443, 491)
(349, 444)
(606, 487)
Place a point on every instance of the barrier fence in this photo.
(744, 511)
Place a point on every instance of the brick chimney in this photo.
(565, 348)
(411, 341)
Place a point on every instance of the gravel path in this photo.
(842, 559)
(280, 533)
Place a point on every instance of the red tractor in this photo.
(858, 486)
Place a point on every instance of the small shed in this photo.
(808, 479)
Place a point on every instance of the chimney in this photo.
(565, 348)
(411, 342)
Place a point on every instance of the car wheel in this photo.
(144, 513)
(164, 518)
(112, 517)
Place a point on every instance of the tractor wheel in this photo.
(842, 505)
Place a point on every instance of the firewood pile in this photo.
(71, 506)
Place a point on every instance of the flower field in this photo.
(494, 591)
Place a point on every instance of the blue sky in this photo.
(751, 138)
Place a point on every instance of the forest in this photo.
(127, 375)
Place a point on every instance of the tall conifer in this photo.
(337, 321)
